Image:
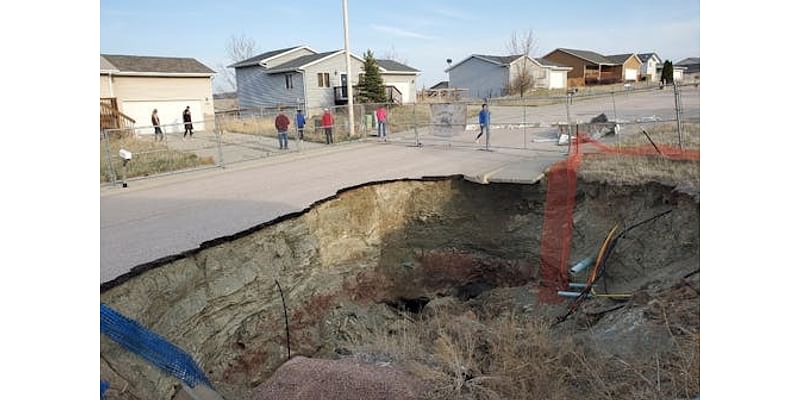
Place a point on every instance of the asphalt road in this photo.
(162, 216)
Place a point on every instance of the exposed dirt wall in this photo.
(378, 247)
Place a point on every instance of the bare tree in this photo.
(393, 55)
(525, 44)
(237, 48)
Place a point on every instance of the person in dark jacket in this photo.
(159, 135)
(300, 123)
(282, 125)
(187, 123)
(483, 120)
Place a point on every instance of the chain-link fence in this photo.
(172, 148)
(669, 114)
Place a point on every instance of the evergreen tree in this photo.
(666, 72)
(370, 85)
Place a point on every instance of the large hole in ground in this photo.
(387, 261)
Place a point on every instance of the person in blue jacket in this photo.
(483, 120)
(300, 120)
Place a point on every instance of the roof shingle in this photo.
(394, 66)
(256, 59)
(502, 60)
(298, 62)
(619, 58)
(126, 63)
(587, 55)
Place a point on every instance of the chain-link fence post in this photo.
(524, 124)
(614, 104)
(218, 134)
(109, 164)
(677, 95)
(567, 100)
(414, 119)
(364, 129)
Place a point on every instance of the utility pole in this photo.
(350, 117)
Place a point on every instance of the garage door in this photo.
(630, 74)
(170, 112)
(557, 79)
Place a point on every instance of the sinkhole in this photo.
(380, 256)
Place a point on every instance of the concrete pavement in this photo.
(160, 217)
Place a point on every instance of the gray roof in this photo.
(587, 55)
(619, 58)
(645, 56)
(689, 61)
(125, 63)
(441, 85)
(105, 65)
(394, 66)
(502, 60)
(548, 63)
(299, 62)
(256, 59)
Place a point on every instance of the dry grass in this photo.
(402, 118)
(630, 170)
(149, 158)
(511, 357)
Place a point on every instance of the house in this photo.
(692, 65)
(132, 86)
(401, 77)
(630, 66)
(650, 65)
(301, 76)
(589, 67)
(490, 76)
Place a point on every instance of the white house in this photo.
(650, 64)
(301, 76)
(489, 76)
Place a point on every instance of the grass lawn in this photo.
(149, 158)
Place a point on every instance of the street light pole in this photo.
(350, 117)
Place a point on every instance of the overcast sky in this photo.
(422, 32)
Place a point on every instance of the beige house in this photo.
(131, 87)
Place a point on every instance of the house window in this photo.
(289, 81)
(324, 79)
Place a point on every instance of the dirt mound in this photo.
(307, 378)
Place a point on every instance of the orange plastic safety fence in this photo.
(562, 183)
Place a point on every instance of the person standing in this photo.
(187, 123)
(282, 125)
(159, 135)
(380, 115)
(300, 123)
(483, 120)
(327, 125)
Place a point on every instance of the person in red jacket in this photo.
(380, 115)
(327, 124)
(282, 125)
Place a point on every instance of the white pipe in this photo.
(573, 285)
(581, 265)
(563, 293)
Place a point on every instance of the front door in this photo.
(344, 85)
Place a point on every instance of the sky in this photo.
(422, 33)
